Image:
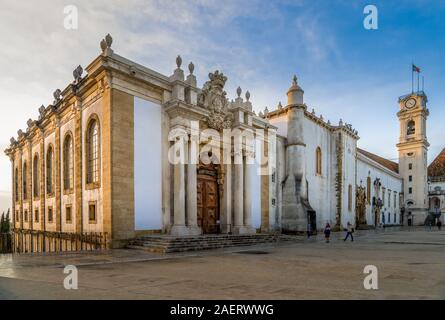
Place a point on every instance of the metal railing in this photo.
(36, 241)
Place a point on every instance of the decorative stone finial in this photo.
(29, 122)
(266, 111)
(329, 122)
(191, 67)
(108, 40)
(106, 43)
(280, 106)
(295, 80)
(261, 114)
(20, 132)
(57, 95)
(178, 61)
(239, 91)
(313, 111)
(340, 123)
(77, 74)
(247, 95)
(321, 117)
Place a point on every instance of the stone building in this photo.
(126, 150)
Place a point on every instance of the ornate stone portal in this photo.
(360, 206)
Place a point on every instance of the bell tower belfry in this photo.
(413, 150)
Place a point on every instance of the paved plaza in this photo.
(411, 265)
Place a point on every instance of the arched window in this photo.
(49, 170)
(318, 161)
(16, 184)
(68, 163)
(93, 151)
(368, 190)
(35, 176)
(411, 127)
(25, 181)
(350, 198)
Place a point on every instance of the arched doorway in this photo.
(208, 199)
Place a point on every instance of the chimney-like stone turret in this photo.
(295, 204)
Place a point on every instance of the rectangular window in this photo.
(410, 178)
(273, 201)
(26, 215)
(68, 215)
(410, 166)
(50, 214)
(92, 212)
(17, 216)
(410, 190)
(36, 215)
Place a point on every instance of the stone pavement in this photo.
(411, 265)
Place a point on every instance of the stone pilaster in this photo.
(248, 193)
(238, 204)
(192, 197)
(57, 180)
(118, 164)
(78, 167)
(179, 227)
(42, 182)
(29, 186)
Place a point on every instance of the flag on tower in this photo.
(416, 69)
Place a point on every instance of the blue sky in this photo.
(346, 71)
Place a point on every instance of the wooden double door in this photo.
(208, 204)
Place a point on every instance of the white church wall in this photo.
(349, 179)
(319, 187)
(281, 123)
(280, 175)
(147, 165)
(389, 181)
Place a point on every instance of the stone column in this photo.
(248, 193)
(238, 193)
(179, 227)
(192, 201)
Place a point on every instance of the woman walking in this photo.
(327, 232)
(349, 232)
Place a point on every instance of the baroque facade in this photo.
(126, 150)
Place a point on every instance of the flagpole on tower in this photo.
(412, 77)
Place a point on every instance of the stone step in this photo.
(166, 244)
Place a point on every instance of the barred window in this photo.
(318, 161)
(16, 184)
(25, 181)
(93, 151)
(350, 198)
(68, 163)
(368, 190)
(35, 176)
(49, 171)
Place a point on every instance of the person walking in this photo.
(327, 232)
(349, 232)
(439, 224)
(309, 230)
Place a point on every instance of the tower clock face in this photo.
(410, 103)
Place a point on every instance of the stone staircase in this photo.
(168, 244)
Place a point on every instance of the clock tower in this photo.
(413, 149)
